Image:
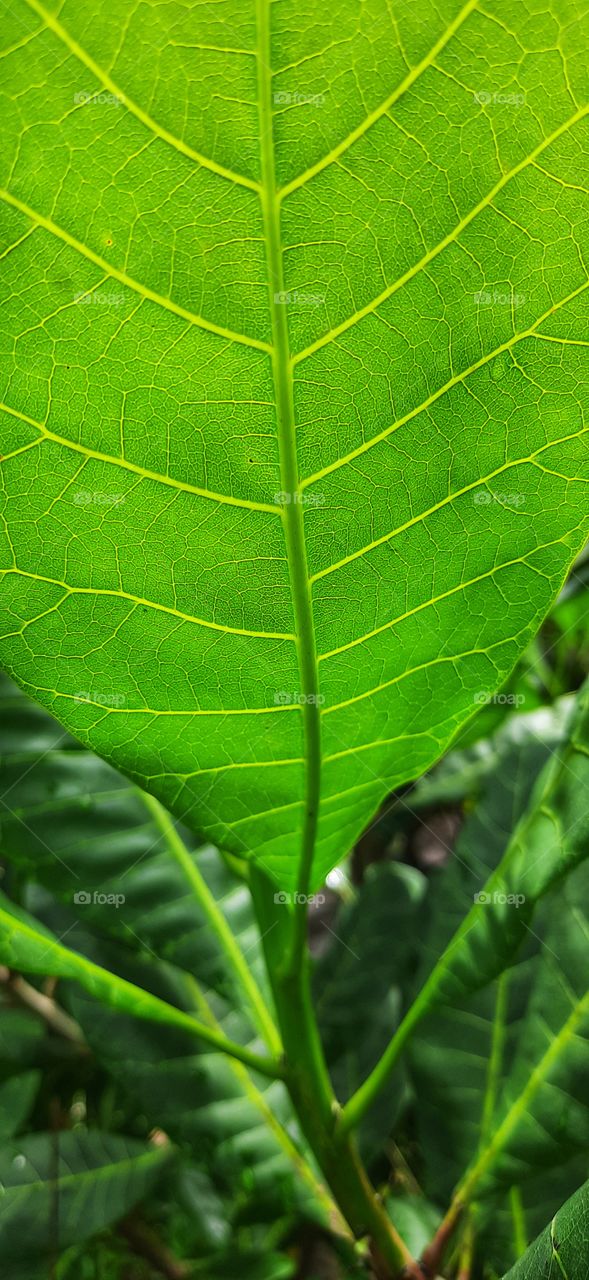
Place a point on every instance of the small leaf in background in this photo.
(58, 1188)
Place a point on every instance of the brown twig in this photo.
(144, 1242)
(432, 1258)
(44, 1006)
(466, 1253)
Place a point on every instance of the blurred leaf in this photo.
(28, 946)
(243, 1137)
(58, 1188)
(416, 1220)
(70, 821)
(541, 1116)
(549, 841)
(16, 1099)
(511, 1098)
(86, 826)
(359, 983)
(21, 1036)
(496, 780)
(506, 1223)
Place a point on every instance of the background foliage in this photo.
(138, 1153)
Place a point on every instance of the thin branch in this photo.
(466, 1253)
(43, 1005)
(337, 1223)
(215, 918)
(144, 1242)
(432, 1258)
(48, 955)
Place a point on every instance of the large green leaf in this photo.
(562, 1251)
(294, 350)
(360, 981)
(62, 1187)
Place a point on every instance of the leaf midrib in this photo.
(282, 370)
(520, 1106)
(91, 1173)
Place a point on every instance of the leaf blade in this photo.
(426, 400)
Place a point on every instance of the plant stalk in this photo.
(310, 1089)
(308, 1083)
(261, 1015)
(362, 1099)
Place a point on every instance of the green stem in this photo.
(518, 1218)
(466, 1252)
(307, 1080)
(307, 1076)
(259, 1102)
(310, 1089)
(215, 918)
(355, 1110)
(495, 1066)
